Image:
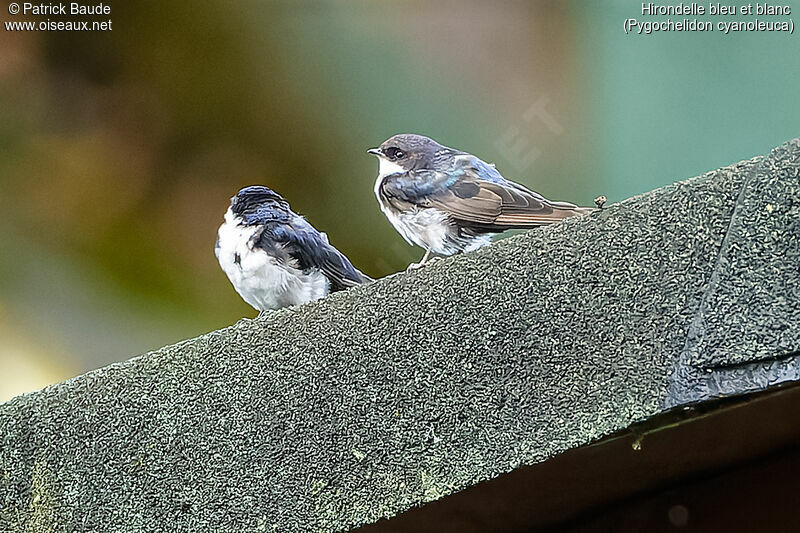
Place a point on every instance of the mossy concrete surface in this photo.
(387, 396)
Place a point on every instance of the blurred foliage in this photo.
(121, 149)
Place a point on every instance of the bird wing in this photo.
(475, 195)
(311, 249)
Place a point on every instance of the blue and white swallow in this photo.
(274, 257)
(447, 201)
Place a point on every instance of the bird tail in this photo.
(578, 210)
(541, 217)
(363, 278)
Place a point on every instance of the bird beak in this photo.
(375, 151)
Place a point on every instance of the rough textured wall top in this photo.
(754, 292)
(335, 414)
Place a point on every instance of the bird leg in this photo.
(415, 266)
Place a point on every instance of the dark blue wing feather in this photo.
(474, 195)
(419, 186)
(470, 164)
(310, 249)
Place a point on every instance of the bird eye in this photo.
(395, 153)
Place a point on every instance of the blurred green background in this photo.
(120, 150)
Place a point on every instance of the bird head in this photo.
(405, 152)
(254, 202)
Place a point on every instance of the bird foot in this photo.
(414, 266)
(417, 266)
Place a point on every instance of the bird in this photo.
(274, 258)
(448, 201)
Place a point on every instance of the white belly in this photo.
(427, 228)
(430, 229)
(423, 227)
(258, 277)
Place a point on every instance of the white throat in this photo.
(388, 167)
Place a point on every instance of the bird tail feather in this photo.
(560, 211)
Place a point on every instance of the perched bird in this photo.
(274, 258)
(448, 201)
